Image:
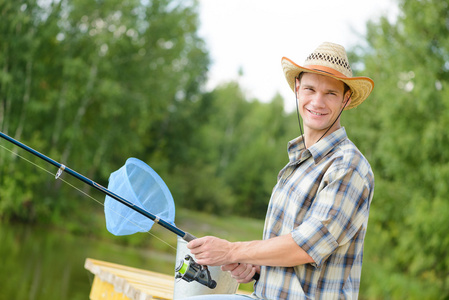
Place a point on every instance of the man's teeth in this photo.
(315, 113)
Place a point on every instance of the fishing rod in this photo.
(187, 269)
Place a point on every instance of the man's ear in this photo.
(296, 84)
(348, 98)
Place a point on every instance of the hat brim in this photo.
(361, 87)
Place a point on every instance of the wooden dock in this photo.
(118, 282)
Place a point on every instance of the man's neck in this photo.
(313, 137)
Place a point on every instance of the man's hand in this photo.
(211, 251)
(243, 273)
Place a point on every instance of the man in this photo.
(317, 217)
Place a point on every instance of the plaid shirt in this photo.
(322, 198)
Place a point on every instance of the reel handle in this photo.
(189, 270)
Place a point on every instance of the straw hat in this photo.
(331, 60)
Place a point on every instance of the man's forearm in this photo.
(280, 251)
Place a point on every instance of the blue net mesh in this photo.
(139, 184)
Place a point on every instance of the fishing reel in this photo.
(189, 270)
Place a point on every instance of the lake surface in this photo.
(41, 264)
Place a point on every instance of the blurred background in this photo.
(91, 83)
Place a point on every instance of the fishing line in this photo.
(82, 192)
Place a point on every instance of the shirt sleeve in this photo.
(339, 209)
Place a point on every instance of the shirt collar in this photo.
(318, 150)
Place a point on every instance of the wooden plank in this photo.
(127, 282)
(102, 290)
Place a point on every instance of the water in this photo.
(38, 264)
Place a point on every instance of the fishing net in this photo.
(140, 185)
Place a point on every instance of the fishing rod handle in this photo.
(188, 237)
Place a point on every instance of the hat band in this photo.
(327, 70)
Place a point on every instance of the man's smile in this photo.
(315, 113)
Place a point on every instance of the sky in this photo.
(253, 36)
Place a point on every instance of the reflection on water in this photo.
(38, 264)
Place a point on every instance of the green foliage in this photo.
(405, 137)
(234, 154)
(90, 83)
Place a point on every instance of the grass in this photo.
(231, 227)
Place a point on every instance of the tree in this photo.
(91, 83)
(407, 144)
(234, 154)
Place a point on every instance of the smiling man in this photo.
(317, 217)
(322, 99)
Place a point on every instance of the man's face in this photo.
(320, 100)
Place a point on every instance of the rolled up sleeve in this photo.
(337, 213)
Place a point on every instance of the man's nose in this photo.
(318, 100)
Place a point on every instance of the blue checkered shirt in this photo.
(322, 198)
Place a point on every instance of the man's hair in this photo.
(345, 88)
